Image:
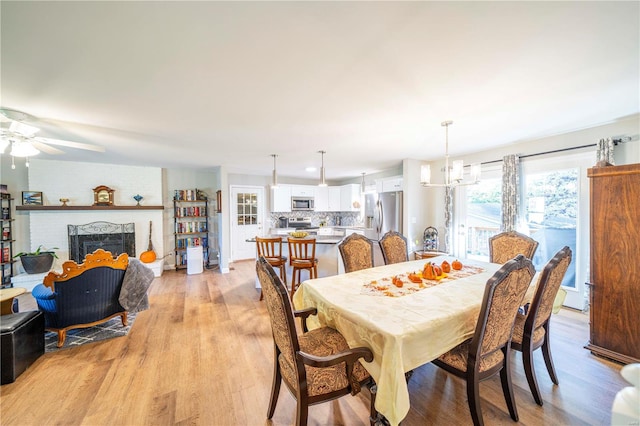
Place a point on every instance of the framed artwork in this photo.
(219, 201)
(31, 198)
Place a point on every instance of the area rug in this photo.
(81, 336)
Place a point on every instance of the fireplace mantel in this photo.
(42, 208)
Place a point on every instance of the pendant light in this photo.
(452, 176)
(362, 185)
(322, 180)
(274, 175)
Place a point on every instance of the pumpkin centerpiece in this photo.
(446, 266)
(456, 264)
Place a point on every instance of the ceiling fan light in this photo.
(23, 149)
(23, 129)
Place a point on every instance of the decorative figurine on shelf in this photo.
(64, 201)
(138, 198)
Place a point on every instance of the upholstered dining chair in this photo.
(302, 257)
(487, 352)
(271, 249)
(531, 330)
(394, 248)
(507, 245)
(357, 252)
(316, 366)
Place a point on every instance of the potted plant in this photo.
(38, 261)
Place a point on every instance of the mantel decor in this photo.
(103, 196)
(94, 207)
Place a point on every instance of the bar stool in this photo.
(271, 250)
(302, 256)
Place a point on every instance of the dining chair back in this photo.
(507, 245)
(316, 366)
(531, 329)
(357, 252)
(487, 352)
(271, 249)
(302, 257)
(394, 248)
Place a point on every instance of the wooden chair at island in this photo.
(271, 249)
(302, 257)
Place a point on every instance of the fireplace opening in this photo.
(113, 237)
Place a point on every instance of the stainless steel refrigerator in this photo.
(383, 212)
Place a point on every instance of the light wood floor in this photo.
(202, 355)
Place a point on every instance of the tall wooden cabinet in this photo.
(615, 262)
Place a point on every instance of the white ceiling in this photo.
(203, 84)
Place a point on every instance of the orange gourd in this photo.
(428, 272)
(456, 264)
(437, 270)
(446, 266)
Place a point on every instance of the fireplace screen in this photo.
(113, 237)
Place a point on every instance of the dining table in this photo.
(406, 321)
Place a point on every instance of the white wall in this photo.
(75, 181)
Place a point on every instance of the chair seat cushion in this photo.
(323, 341)
(276, 261)
(304, 263)
(518, 330)
(457, 358)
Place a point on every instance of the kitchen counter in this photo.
(320, 239)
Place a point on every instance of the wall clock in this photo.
(103, 196)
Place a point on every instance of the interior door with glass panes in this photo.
(247, 217)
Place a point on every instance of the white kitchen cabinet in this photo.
(390, 184)
(335, 198)
(322, 199)
(281, 199)
(350, 198)
(303, 190)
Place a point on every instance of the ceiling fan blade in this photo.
(46, 148)
(70, 144)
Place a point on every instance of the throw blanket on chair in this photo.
(137, 279)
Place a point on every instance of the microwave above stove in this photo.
(302, 204)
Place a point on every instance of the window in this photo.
(247, 205)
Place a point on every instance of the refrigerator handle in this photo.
(380, 217)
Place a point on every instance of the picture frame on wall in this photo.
(31, 198)
(219, 201)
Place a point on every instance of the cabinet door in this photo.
(322, 199)
(392, 185)
(281, 199)
(303, 190)
(350, 198)
(334, 199)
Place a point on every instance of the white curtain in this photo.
(510, 192)
(605, 151)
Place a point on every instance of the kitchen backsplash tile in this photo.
(327, 218)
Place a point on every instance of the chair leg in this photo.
(302, 413)
(374, 416)
(275, 386)
(546, 353)
(507, 388)
(62, 335)
(529, 371)
(473, 396)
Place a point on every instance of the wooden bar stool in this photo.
(271, 250)
(302, 256)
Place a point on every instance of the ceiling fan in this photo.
(22, 139)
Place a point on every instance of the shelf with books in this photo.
(6, 239)
(191, 225)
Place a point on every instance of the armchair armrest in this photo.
(304, 314)
(349, 356)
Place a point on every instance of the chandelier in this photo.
(454, 175)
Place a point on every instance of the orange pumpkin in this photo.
(446, 266)
(437, 270)
(428, 272)
(456, 264)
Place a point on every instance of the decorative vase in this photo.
(138, 198)
(37, 264)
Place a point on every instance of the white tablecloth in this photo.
(402, 332)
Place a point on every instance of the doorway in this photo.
(247, 218)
